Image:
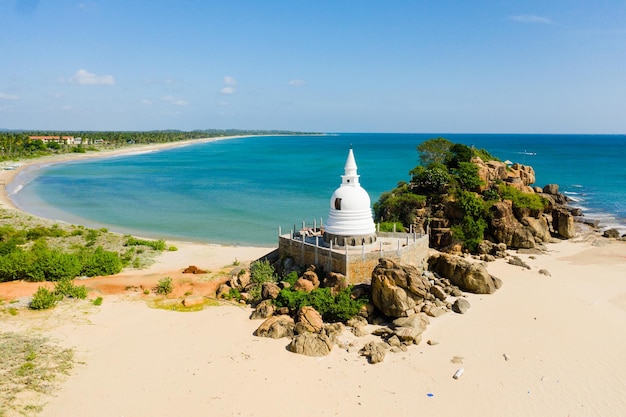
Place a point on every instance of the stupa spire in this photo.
(350, 176)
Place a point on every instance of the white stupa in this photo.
(350, 219)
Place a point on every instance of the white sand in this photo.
(563, 336)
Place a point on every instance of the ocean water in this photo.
(240, 191)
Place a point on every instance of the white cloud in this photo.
(146, 101)
(227, 90)
(228, 80)
(4, 96)
(84, 77)
(175, 100)
(296, 83)
(529, 18)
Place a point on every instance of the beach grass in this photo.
(175, 304)
(30, 365)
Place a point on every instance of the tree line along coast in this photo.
(17, 144)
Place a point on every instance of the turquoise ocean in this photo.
(240, 191)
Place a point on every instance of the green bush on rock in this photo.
(340, 307)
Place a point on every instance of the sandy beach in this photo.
(542, 345)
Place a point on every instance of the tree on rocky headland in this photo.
(453, 193)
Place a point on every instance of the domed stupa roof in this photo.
(350, 219)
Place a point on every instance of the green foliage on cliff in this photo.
(467, 176)
(432, 180)
(521, 199)
(399, 205)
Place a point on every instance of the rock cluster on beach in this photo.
(403, 298)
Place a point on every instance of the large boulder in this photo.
(468, 276)
(409, 329)
(303, 284)
(276, 327)
(336, 282)
(505, 228)
(539, 228)
(311, 275)
(563, 223)
(389, 298)
(489, 172)
(552, 189)
(311, 344)
(263, 310)
(309, 320)
(524, 172)
(269, 290)
(397, 289)
(239, 279)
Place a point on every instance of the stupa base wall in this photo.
(355, 240)
(356, 264)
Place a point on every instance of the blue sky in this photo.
(443, 66)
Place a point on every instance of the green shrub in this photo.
(291, 278)
(491, 195)
(43, 299)
(164, 286)
(399, 205)
(91, 237)
(459, 154)
(467, 176)
(432, 180)
(100, 262)
(53, 265)
(154, 244)
(172, 248)
(97, 301)
(260, 272)
(66, 288)
(233, 294)
(340, 307)
(521, 199)
(389, 226)
(14, 265)
(471, 232)
(471, 204)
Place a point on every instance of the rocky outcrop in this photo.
(538, 227)
(525, 173)
(375, 352)
(263, 310)
(469, 276)
(409, 329)
(336, 282)
(505, 228)
(276, 327)
(311, 344)
(563, 223)
(403, 299)
(309, 321)
(611, 233)
(397, 290)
